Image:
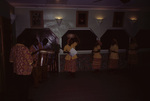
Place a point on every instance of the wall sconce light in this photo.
(99, 20)
(59, 20)
(133, 19)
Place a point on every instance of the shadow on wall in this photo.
(143, 39)
(29, 34)
(87, 39)
(121, 36)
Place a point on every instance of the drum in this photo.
(50, 52)
(50, 57)
(43, 58)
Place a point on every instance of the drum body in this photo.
(50, 57)
(43, 58)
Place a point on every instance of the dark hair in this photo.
(45, 41)
(113, 42)
(35, 41)
(26, 41)
(96, 43)
(71, 41)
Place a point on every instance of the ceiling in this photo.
(117, 4)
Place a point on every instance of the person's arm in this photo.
(114, 49)
(35, 52)
(28, 56)
(96, 51)
(39, 51)
(65, 50)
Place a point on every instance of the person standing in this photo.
(37, 74)
(70, 61)
(22, 61)
(97, 58)
(132, 53)
(44, 59)
(113, 56)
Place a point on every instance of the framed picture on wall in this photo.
(118, 19)
(36, 19)
(82, 19)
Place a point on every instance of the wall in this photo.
(4, 14)
(4, 9)
(69, 20)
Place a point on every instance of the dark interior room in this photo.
(74, 50)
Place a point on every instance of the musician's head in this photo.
(114, 41)
(36, 42)
(70, 41)
(45, 41)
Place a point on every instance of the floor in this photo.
(118, 85)
(121, 85)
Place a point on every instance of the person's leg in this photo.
(40, 73)
(23, 87)
(26, 87)
(45, 72)
(35, 77)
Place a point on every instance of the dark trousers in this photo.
(23, 84)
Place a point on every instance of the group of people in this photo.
(113, 62)
(114, 56)
(24, 57)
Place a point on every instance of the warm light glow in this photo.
(133, 18)
(99, 19)
(58, 20)
(58, 17)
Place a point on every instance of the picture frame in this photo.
(118, 19)
(36, 19)
(82, 19)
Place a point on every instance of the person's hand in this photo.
(66, 52)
